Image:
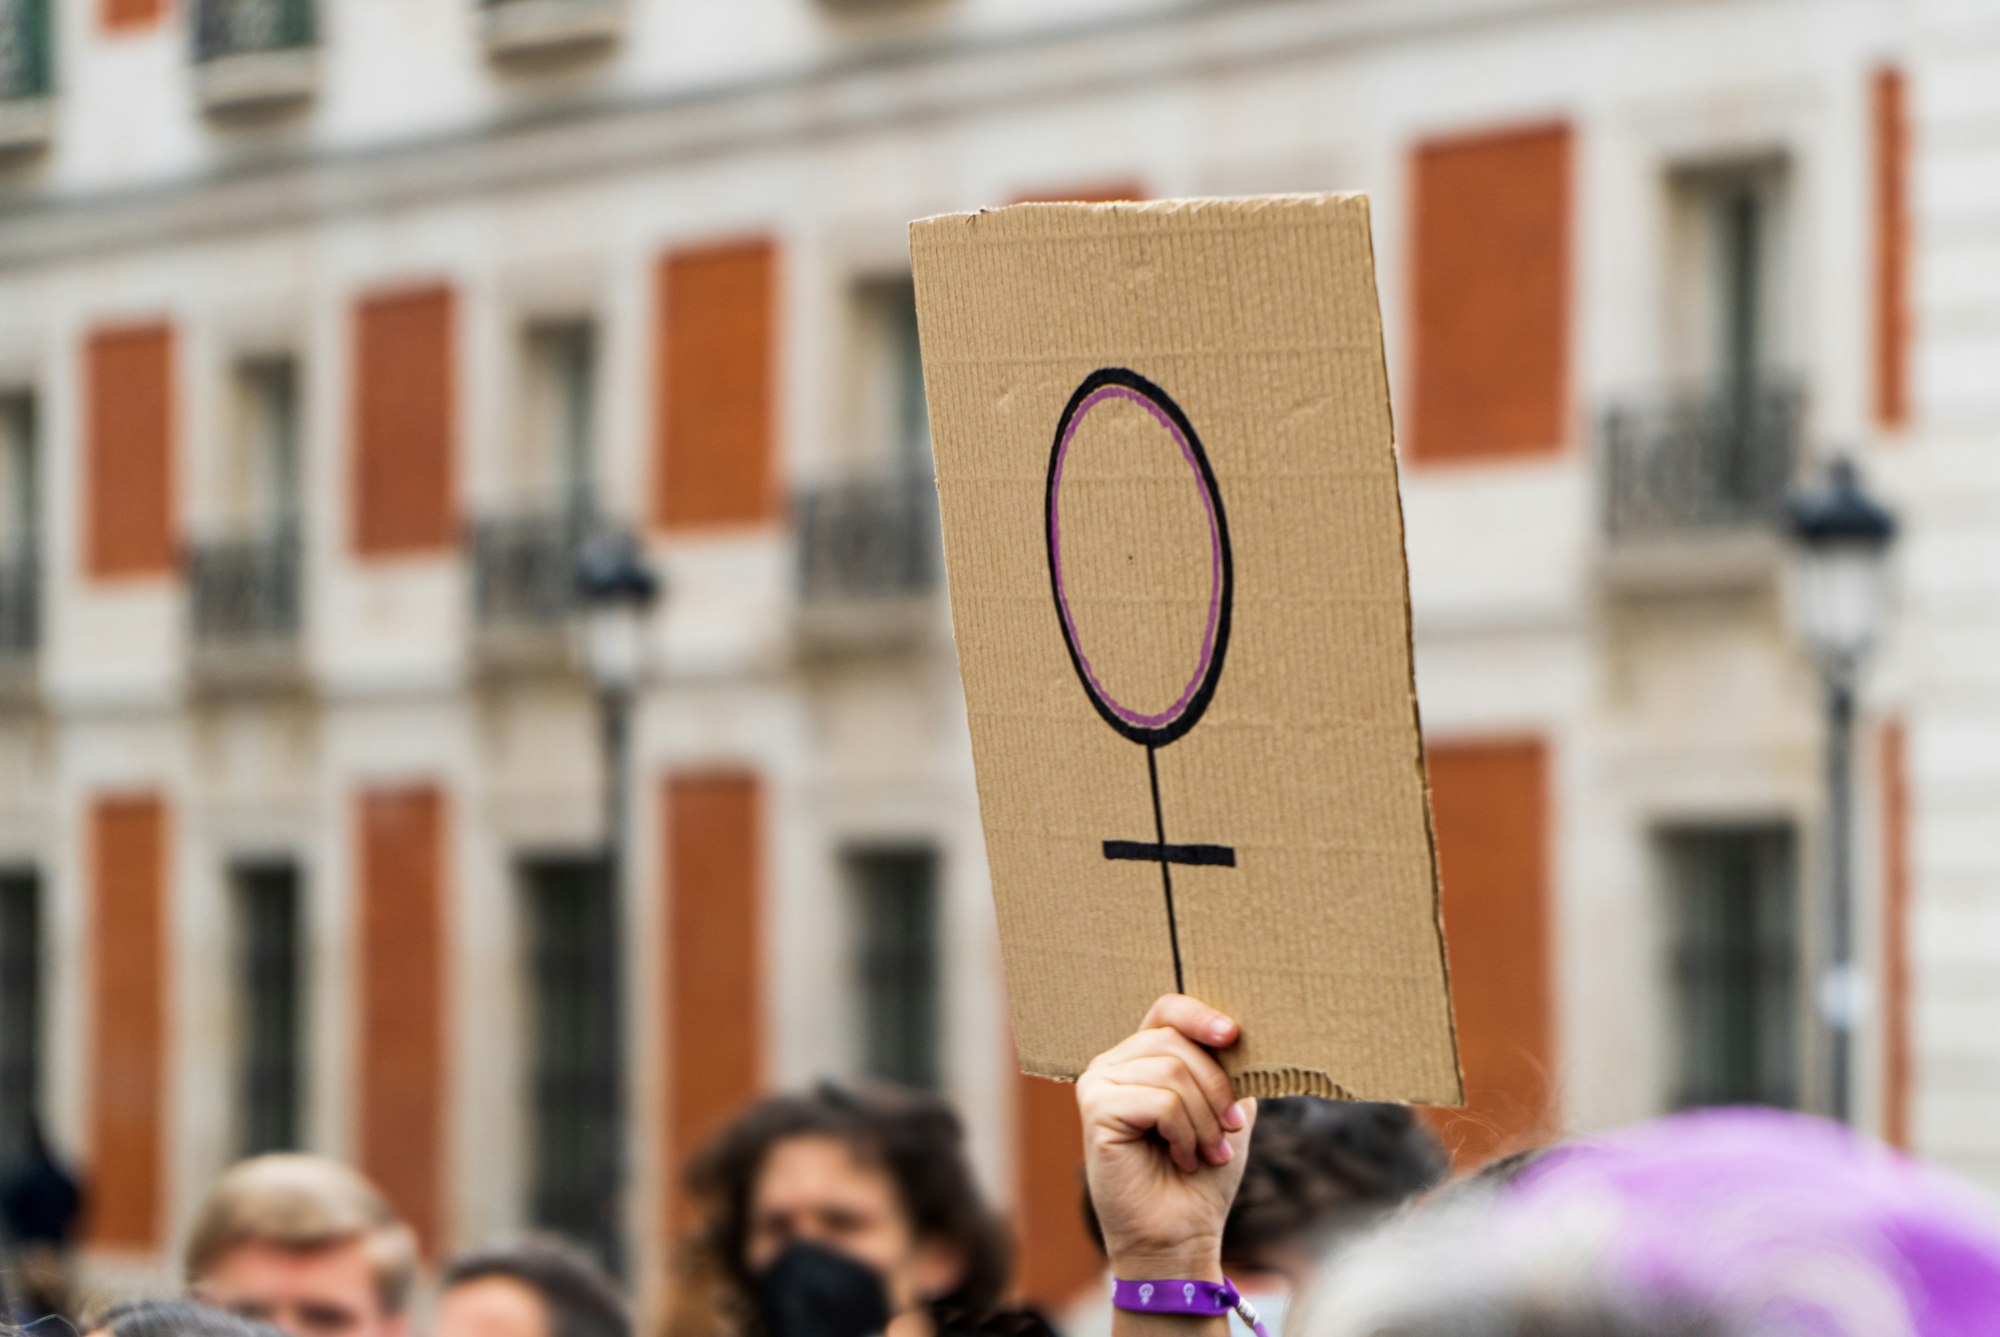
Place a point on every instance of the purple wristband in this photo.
(1202, 1299)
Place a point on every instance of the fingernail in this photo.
(1218, 1030)
(1225, 1152)
(1233, 1118)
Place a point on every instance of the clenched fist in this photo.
(1164, 1142)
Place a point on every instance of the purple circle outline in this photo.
(1124, 712)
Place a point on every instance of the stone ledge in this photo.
(517, 28)
(25, 124)
(271, 668)
(257, 80)
(1736, 561)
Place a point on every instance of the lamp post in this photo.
(1841, 539)
(615, 592)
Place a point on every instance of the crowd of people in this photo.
(852, 1212)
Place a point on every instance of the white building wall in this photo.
(1953, 578)
(554, 193)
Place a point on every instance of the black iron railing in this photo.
(524, 568)
(246, 27)
(20, 603)
(25, 26)
(1700, 462)
(244, 593)
(866, 539)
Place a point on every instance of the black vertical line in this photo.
(1166, 870)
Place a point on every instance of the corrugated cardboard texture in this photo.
(1246, 336)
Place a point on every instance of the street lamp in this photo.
(1840, 597)
(615, 591)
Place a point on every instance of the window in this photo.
(20, 1010)
(20, 471)
(25, 26)
(1491, 283)
(575, 1069)
(261, 486)
(1729, 273)
(524, 554)
(891, 417)
(270, 975)
(896, 963)
(244, 579)
(20, 486)
(403, 464)
(1715, 447)
(226, 28)
(1734, 913)
(718, 384)
(553, 463)
(869, 533)
(130, 438)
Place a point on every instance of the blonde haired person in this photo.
(305, 1244)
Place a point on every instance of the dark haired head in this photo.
(174, 1318)
(582, 1300)
(914, 1138)
(1318, 1168)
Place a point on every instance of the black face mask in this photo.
(811, 1291)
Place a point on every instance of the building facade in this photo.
(329, 330)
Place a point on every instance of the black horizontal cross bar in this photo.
(1140, 851)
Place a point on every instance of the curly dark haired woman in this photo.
(843, 1213)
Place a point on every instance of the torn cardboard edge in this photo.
(1262, 1084)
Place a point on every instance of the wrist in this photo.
(1193, 1260)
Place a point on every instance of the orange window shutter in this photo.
(1100, 192)
(714, 826)
(1892, 248)
(1490, 803)
(715, 451)
(402, 890)
(1490, 296)
(1058, 1257)
(128, 869)
(1898, 1062)
(405, 424)
(116, 16)
(129, 408)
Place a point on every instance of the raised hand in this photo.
(1165, 1141)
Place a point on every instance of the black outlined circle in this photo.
(1159, 728)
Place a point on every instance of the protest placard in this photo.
(1167, 474)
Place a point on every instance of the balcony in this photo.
(526, 29)
(524, 586)
(254, 55)
(1694, 483)
(25, 65)
(244, 610)
(869, 559)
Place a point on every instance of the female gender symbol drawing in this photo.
(1154, 729)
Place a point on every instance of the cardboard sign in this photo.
(1167, 474)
